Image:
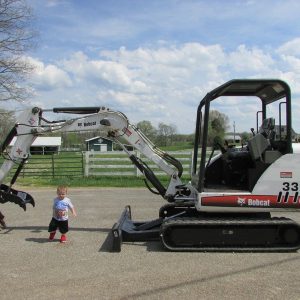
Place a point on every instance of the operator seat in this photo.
(267, 129)
(257, 145)
(264, 143)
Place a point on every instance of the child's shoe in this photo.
(63, 238)
(52, 235)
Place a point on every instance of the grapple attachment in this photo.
(7, 194)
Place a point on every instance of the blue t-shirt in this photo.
(61, 208)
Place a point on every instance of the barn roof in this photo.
(98, 137)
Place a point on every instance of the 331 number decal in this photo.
(290, 186)
(289, 191)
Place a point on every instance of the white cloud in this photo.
(163, 84)
(48, 77)
(97, 71)
(52, 3)
(290, 48)
(250, 60)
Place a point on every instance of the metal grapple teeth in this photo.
(8, 194)
(7, 197)
(26, 198)
(32, 202)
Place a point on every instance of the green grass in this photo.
(67, 168)
(92, 181)
(179, 147)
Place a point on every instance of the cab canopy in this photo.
(266, 90)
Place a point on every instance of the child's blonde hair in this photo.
(61, 188)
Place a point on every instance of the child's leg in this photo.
(63, 228)
(52, 235)
(52, 229)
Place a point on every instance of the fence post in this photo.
(87, 158)
(52, 159)
(23, 171)
(82, 164)
(138, 172)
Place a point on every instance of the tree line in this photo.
(164, 135)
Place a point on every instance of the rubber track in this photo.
(182, 222)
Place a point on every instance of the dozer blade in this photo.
(126, 230)
(21, 198)
(115, 234)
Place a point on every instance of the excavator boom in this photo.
(112, 124)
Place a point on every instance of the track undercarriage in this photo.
(182, 228)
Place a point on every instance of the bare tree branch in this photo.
(16, 37)
(6, 121)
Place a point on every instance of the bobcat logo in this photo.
(241, 201)
(31, 121)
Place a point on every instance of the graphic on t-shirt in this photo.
(61, 208)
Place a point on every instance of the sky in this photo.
(155, 60)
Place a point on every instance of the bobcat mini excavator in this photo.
(227, 206)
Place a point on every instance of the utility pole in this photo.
(234, 131)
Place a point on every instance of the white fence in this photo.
(117, 163)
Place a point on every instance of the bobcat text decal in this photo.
(257, 201)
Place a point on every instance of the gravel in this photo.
(33, 268)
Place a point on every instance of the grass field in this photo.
(68, 168)
(93, 181)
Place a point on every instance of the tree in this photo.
(16, 37)
(218, 124)
(166, 133)
(7, 121)
(245, 136)
(147, 129)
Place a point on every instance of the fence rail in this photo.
(99, 164)
(53, 165)
(93, 163)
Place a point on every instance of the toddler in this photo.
(61, 206)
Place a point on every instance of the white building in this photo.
(43, 145)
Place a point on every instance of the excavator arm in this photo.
(112, 124)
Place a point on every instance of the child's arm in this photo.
(73, 211)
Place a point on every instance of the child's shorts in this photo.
(63, 226)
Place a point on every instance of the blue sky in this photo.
(155, 60)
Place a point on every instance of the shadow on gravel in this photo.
(38, 240)
(108, 245)
(45, 228)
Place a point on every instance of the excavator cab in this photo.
(241, 167)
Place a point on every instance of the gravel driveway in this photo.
(33, 268)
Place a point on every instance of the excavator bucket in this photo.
(21, 198)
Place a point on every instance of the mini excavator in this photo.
(227, 205)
